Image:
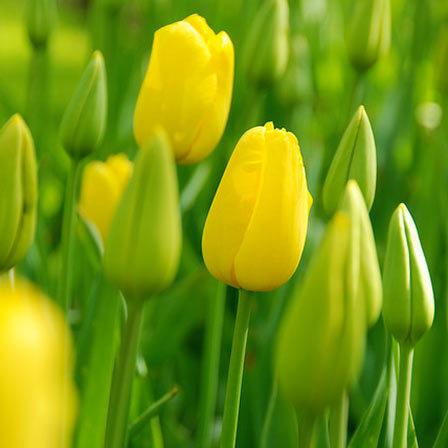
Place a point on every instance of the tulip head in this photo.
(18, 192)
(408, 296)
(84, 121)
(187, 88)
(368, 36)
(36, 389)
(143, 247)
(101, 190)
(256, 227)
(267, 46)
(355, 159)
(40, 19)
(320, 344)
(370, 286)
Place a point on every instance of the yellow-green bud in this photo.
(18, 191)
(321, 340)
(370, 286)
(143, 247)
(84, 120)
(408, 308)
(40, 19)
(368, 36)
(295, 85)
(355, 159)
(267, 47)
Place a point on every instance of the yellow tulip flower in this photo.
(36, 389)
(102, 186)
(256, 227)
(187, 89)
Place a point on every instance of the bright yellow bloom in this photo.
(102, 186)
(187, 89)
(256, 227)
(35, 374)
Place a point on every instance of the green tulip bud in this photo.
(321, 340)
(18, 192)
(408, 297)
(370, 286)
(267, 47)
(40, 19)
(295, 85)
(355, 159)
(84, 121)
(368, 36)
(143, 247)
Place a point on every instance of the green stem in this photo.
(117, 419)
(306, 431)
(68, 227)
(210, 372)
(403, 395)
(236, 367)
(338, 422)
(268, 417)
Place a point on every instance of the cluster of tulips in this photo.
(252, 240)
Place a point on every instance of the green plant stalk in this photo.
(236, 368)
(210, 371)
(306, 430)
(268, 417)
(119, 404)
(339, 421)
(68, 229)
(403, 395)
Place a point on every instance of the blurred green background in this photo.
(406, 98)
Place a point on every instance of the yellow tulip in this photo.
(101, 190)
(256, 227)
(187, 89)
(36, 390)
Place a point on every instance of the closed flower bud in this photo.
(368, 36)
(18, 192)
(370, 286)
(101, 190)
(408, 308)
(36, 389)
(84, 120)
(267, 47)
(40, 19)
(143, 247)
(355, 159)
(256, 227)
(320, 344)
(187, 89)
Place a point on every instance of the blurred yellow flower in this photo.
(101, 190)
(187, 89)
(35, 374)
(256, 227)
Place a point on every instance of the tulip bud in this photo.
(370, 287)
(18, 192)
(36, 389)
(84, 121)
(101, 190)
(355, 159)
(320, 344)
(187, 89)
(368, 36)
(40, 19)
(256, 227)
(143, 246)
(408, 297)
(267, 46)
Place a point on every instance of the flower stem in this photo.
(68, 227)
(210, 373)
(338, 422)
(117, 419)
(236, 367)
(306, 431)
(403, 395)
